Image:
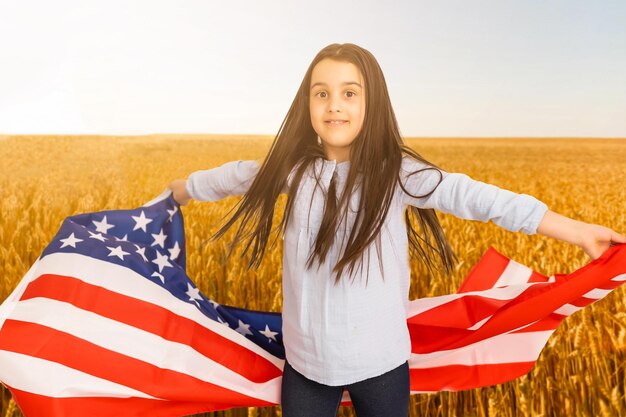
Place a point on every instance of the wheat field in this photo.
(581, 370)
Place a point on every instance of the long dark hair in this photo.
(378, 146)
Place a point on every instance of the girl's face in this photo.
(337, 106)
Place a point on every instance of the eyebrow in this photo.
(344, 83)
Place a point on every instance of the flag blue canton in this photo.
(150, 240)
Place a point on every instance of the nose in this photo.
(334, 105)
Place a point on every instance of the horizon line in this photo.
(273, 135)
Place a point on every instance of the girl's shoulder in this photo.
(411, 166)
(418, 177)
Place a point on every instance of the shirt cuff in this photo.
(535, 218)
(195, 189)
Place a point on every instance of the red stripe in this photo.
(610, 285)
(462, 312)
(486, 272)
(548, 323)
(537, 277)
(446, 335)
(469, 309)
(445, 378)
(462, 377)
(154, 319)
(447, 324)
(582, 302)
(50, 344)
(34, 405)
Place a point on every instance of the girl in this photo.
(349, 179)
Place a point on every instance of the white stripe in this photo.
(479, 324)
(502, 293)
(345, 396)
(514, 274)
(510, 292)
(505, 348)
(136, 343)
(52, 379)
(7, 306)
(125, 281)
(482, 322)
(621, 277)
(425, 392)
(597, 293)
(567, 309)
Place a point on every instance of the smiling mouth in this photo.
(336, 122)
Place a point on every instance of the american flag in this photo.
(107, 323)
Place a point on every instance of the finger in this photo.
(618, 238)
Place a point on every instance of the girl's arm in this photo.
(592, 238)
(231, 178)
(466, 198)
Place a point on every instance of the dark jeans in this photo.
(386, 395)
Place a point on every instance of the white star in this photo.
(243, 328)
(215, 305)
(162, 261)
(102, 226)
(193, 293)
(117, 252)
(161, 277)
(269, 334)
(142, 252)
(159, 239)
(141, 221)
(174, 252)
(71, 240)
(97, 236)
(172, 212)
(222, 321)
(123, 239)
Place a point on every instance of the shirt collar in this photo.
(328, 167)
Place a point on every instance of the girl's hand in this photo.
(596, 239)
(179, 190)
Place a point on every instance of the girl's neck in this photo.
(339, 162)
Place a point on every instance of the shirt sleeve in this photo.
(466, 198)
(231, 178)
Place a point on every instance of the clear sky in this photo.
(453, 68)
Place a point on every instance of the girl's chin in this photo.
(337, 143)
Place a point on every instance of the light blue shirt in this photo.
(338, 335)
